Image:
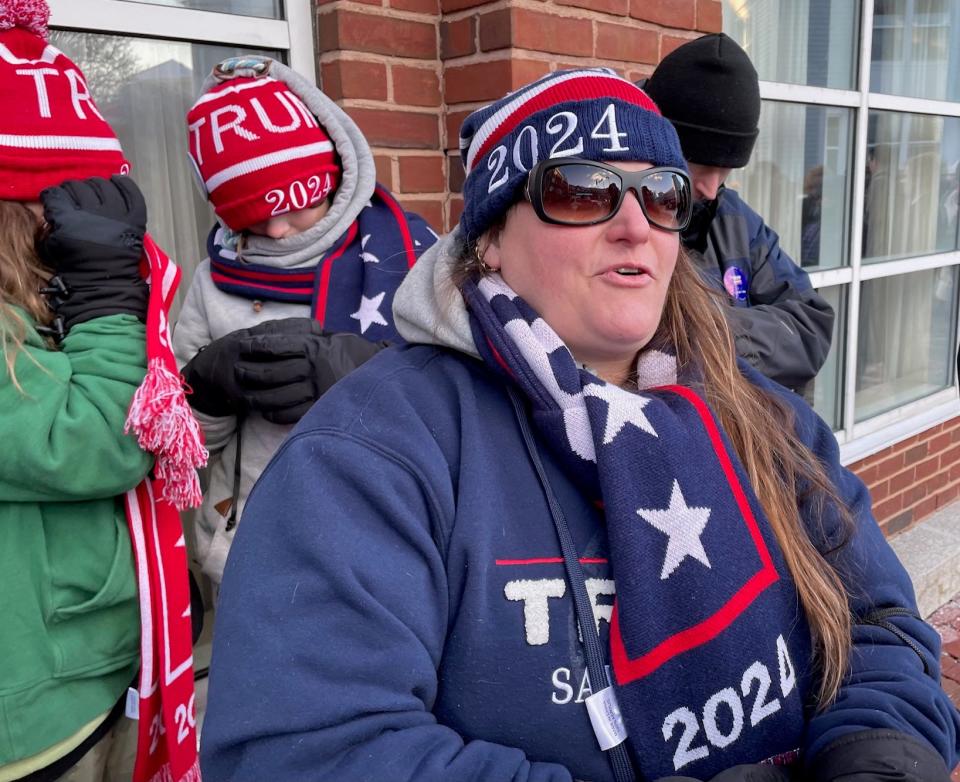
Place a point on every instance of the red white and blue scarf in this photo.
(708, 645)
(350, 289)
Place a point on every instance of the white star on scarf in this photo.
(364, 255)
(369, 312)
(622, 408)
(683, 527)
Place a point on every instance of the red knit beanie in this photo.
(259, 151)
(50, 130)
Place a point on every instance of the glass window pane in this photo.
(906, 345)
(266, 8)
(144, 88)
(828, 385)
(798, 41)
(799, 180)
(916, 48)
(910, 196)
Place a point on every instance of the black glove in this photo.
(278, 368)
(94, 244)
(752, 773)
(288, 364)
(877, 756)
(745, 773)
(214, 389)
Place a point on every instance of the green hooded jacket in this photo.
(69, 617)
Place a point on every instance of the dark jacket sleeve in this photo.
(877, 756)
(893, 681)
(786, 330)
(332, 622)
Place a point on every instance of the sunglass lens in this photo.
(666, 199)
(579, 193)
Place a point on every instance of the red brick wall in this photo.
(379, 59)
(913, 478)
(408, 71)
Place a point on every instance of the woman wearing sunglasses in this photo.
(563, 534)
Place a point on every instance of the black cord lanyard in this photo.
(619, 759)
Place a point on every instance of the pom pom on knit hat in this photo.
(590, 113)
(31, 15)
(52, 129)
(257, 150)
(709, 90)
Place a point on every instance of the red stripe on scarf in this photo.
(164, 425)
(628, 670)
(223, 279)
(320, 312)
(401, 217)
(274, 277)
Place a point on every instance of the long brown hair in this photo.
(782, 470)
(21, 277)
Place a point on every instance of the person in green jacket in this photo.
(72, 358)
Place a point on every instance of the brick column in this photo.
(379, 61)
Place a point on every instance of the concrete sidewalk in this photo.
(931, 553)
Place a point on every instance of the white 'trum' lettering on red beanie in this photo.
(50, 128)
(259, 152)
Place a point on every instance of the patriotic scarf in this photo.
(351, 287)
(164, 425)
(705, 626)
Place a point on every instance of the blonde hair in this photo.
(782, 470)
(21, 277)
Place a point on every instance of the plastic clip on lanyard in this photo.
(602, 705)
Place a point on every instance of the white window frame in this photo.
(859, 440)
(293, 35)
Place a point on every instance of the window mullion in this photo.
(302, 57)
(856, 233)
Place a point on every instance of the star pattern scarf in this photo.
(351, 287)
(704, 629)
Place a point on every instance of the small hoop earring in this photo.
(482, 264)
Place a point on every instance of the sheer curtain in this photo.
(904, 320)
(144, 88)
(916, 50)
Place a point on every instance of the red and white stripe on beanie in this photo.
(259, 151)
(51, 129)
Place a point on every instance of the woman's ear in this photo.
(489, 249)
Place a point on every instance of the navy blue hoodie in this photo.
(395, 607)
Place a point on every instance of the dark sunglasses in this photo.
(571, 191)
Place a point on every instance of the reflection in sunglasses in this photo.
(581, 192)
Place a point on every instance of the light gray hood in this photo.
(427, 308)
(356, 184)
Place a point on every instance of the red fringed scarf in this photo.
(161, 419)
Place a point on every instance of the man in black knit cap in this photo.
(708, 89)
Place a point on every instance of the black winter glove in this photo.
(877, 756)
(752, 773)
(94, 244)
(288, 364)
(745, 773)
(278, 368)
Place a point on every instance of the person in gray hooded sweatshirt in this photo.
(298, 286)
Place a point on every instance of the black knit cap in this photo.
(708, 89)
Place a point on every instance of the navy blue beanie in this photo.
(589, 113)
